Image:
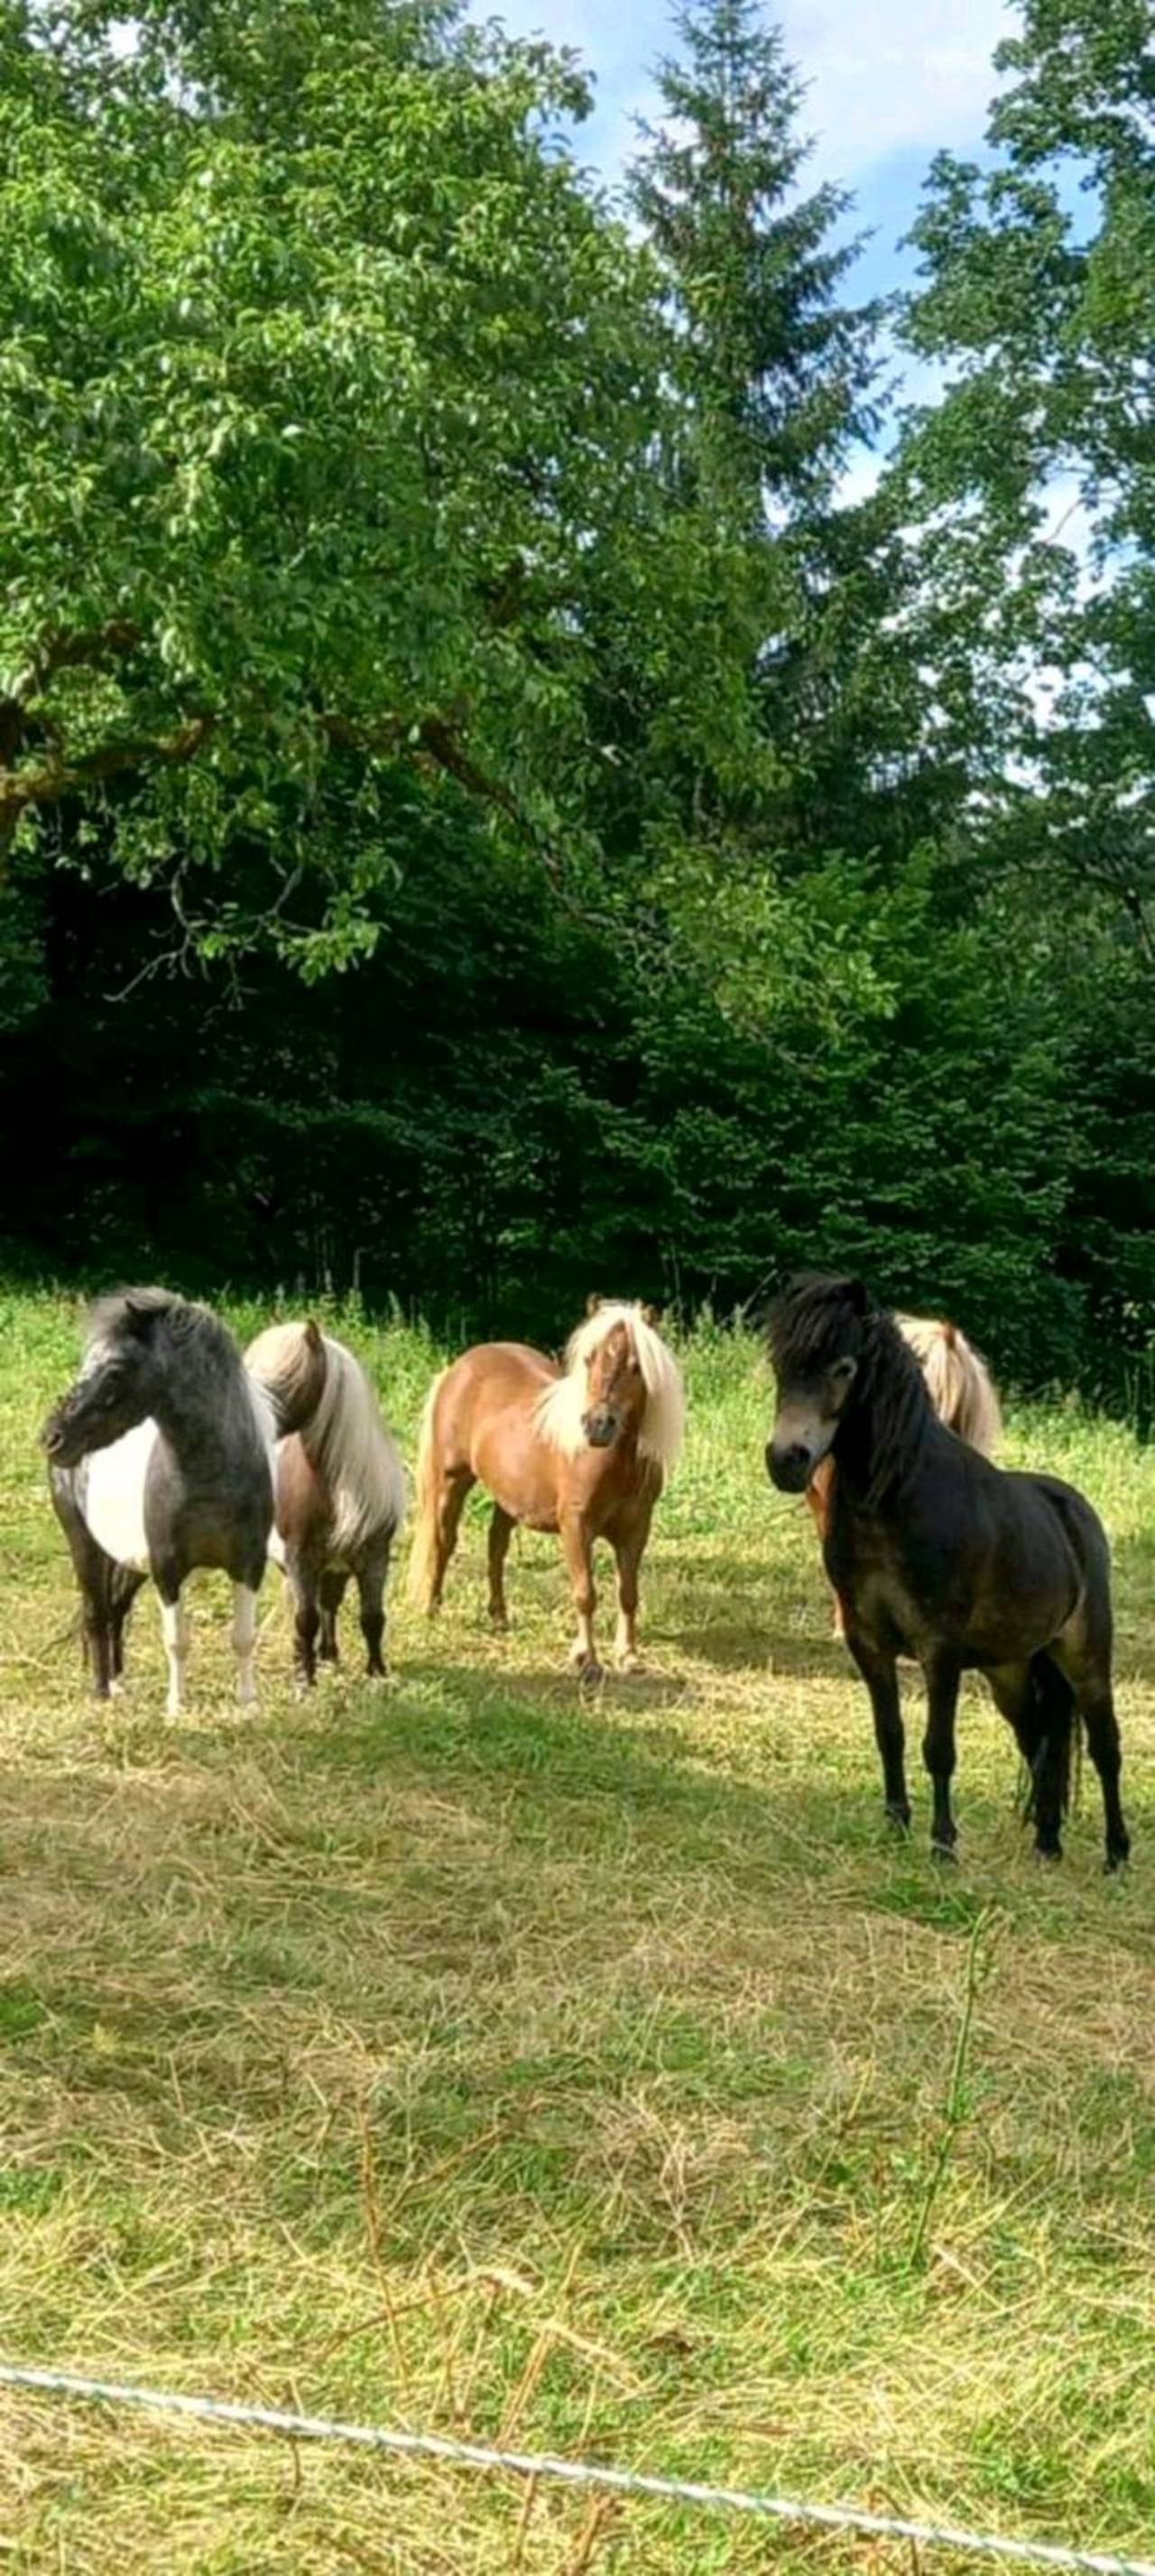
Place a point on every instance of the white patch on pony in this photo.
(345, 1438)
(558, 1413)
(113, 1491)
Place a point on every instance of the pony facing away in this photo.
(961, 1391)
(160, 1460)
(583, 1450)
(937, 1554)
(339, 1489)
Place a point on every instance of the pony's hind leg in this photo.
(1102, 1725)
(245, 1641)
(372, 1570)
(455, 1489)
(125, 1586)
(1088, 1669)
(331, 1591)
(96, 1576)
(500, 1532)
(1038, 1702)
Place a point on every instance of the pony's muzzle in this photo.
(789, 1465)
(601, 1429)
(54, 1439)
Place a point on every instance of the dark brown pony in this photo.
(937, 1554)
(961, 1390)
(583, 1450)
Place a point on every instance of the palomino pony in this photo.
(160, 1460)
(937, 1554)
(583, 1450)
(339, 1489)
(962, 1393)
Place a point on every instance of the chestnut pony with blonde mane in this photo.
(583, 1450)
(961, 1390)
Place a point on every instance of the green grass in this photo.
(571, 2068)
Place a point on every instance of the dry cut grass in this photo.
(558, 2068)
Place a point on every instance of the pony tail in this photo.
(423, 1552)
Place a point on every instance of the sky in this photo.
(889, 83)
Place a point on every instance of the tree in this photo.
(1030, 482)
(780, 374)
(328, 393)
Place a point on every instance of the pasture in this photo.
(565, 2067)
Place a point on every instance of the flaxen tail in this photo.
(422, 1574)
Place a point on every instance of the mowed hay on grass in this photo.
(558, 2068)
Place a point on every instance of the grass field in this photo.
(566, 2068)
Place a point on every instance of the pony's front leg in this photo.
(578, 1549)
(629, 1548)
(880, 1674)
(245, 1641)
(938, 1752)
(175, 1629)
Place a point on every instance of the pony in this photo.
(339, 1489)
(583, 1450)
(961, 1391)
(938, 1554)
(159, 1461)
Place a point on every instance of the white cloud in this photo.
(884, 76)
(889, 76)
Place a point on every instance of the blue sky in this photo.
(890, 82)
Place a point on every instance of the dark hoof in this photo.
(944, 1852)
(1048, 1853)
(588, 1674)
(899, 1817)
(1116, 1861)
(499, 1623)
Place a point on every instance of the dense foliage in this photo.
(483, 813)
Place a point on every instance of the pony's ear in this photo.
(141, 1315)
(312, 1335)
(592, 1304)
(858, 1297)
(650, 1315)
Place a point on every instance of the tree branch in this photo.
(59, 777)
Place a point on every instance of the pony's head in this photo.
(129, 1342)
(820, 1331)
(289, 1362)
(620, 1379)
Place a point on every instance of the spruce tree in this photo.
(780, 372)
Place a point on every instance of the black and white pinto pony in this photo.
(339, 1489)
(160, 1460)
(938, 1554)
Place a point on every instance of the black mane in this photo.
(123, 1310)
(819, 1319)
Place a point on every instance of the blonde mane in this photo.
(345, 1437)
(558, 1413)
(959, 1382)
